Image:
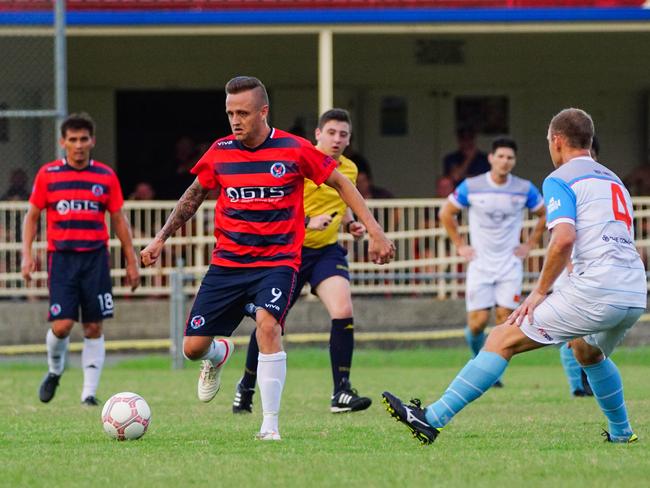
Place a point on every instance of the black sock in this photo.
(341, 347)
(250, 371)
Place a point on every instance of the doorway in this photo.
(161, 134)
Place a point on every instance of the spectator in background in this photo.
(365, 184)
(185, 155)
(17, 186)
(447, 184)
(143, 191)
(637, 181)
(467, 160)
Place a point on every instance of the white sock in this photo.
(271, 373)
(56, 351)
(216, 352)
(92, 362)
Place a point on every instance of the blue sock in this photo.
(475, 342)
(572, 368)
(605, 381)
(474, 379)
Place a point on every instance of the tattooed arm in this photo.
(183, 211)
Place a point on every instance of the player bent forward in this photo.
(259, 226)
(589, 213)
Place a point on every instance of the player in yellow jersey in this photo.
(325, 267)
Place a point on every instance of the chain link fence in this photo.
(27, 103)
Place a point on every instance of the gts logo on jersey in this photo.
(65, 206)
(236, 194)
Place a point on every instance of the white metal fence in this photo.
(426, 262)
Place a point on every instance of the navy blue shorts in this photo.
(80, 279)
(320, 264)
(219, 305)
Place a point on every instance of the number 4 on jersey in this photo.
(619, 207)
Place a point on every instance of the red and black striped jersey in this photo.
(76, 202)
(259, 216)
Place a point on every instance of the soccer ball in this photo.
(126, 416)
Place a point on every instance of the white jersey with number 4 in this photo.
(606, 265)
(495, 218)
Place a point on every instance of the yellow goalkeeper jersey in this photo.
(324, 199)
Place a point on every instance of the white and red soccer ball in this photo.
(126, 416)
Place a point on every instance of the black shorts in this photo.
(219, 305)
(320, 264)
(80, 279)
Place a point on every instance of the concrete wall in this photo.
(24, 322)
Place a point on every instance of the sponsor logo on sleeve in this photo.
(554, 204)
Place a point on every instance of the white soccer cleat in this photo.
(210, 377)
(268, 436)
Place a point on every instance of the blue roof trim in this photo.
(329, 16)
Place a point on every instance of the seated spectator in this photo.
(447, 184)
(638, 181)
(17, 186)
(185, 156)
(365, 184)
(467, 160)
(143, 191)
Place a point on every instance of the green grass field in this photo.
(531, 433)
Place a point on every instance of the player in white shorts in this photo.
(589, 215)
(496, 202)
(576, 377)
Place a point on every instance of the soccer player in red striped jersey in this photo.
(259, 174)
(77, 192)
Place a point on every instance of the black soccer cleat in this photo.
(90, 401)
(243, 402)
(497, 384)
(586, 387)
(346, 399)
(48, 387)
(412, 416)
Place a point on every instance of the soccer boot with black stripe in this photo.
(346, 399)
(243, 402)
(412, 416)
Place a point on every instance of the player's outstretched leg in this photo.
(243, 402)
(478, 375)
(607, 385)
(575, 375)
(56, 352)
(92, 362)
(214, 360)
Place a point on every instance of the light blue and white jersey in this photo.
(495, 217)
(606, 265)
